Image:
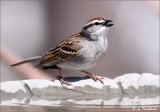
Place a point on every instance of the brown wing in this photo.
(66, 50)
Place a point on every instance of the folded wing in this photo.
(66, 50)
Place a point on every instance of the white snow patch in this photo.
(149, 79)
(39, 83)
(88, 82)
(127, 80)
(12, 86)
(136, 80)
(92, 83)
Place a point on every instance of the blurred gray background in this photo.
(30, 28)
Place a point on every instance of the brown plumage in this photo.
(80, 51)
(66, 50)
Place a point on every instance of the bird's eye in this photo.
(96, 23)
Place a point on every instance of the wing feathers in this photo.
(66, 50)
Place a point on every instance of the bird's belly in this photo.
(77, 63)
(83, 61)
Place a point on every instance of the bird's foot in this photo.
(95, 78)
(63, 82)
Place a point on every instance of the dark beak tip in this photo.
(108, 23)
(111, 25)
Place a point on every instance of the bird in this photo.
(78, 52)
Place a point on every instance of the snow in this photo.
(39, 83)
(127, 80)
(149, 79)
(137, 80)
(12, 86)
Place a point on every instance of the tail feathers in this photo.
(27, 60)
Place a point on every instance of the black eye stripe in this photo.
(96, 23)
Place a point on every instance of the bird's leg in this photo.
(95, 78)
(61, 78)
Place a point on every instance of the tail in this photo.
(27, 60)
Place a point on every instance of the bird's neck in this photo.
(101, 35)
(87, 35)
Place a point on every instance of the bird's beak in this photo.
(108, 24)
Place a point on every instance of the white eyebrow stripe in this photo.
(94, 21)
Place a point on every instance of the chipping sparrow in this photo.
(79, 52)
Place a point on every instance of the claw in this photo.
(95, 78)
(61, 79)
(63, 82)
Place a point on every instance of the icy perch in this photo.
(127, 86)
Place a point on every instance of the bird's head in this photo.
(97, 26)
